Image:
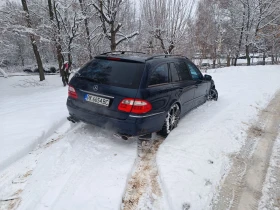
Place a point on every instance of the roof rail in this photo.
(164, 55)
(121, 52)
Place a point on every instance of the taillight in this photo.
(72, 92)
(136, 106)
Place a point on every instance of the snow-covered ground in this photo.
(254, 61)
(47, 163)
(30, 111)
(271, 189)
(195, 157)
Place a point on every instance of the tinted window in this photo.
(196, 74)
(116, 73)
(174, 73)
(159, 75)
(183, 71)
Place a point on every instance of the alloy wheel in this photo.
(172, 118)
(213, 94)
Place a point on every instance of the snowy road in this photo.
(72, 169)
(242, 188)
(30, 112)
(84, 167)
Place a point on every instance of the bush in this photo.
(27, 70)
(53, 69)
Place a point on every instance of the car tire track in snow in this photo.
(143, 189)
(13, 180)
(242, 188)
(33, 145)
(271, 190)
(86, 169)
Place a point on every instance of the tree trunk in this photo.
(60, 58)
(241, 36)
(69, 58)
(273, 50)
(51, 10)
(111, 22)
(214, 56)
(69, 55)
(214, 63)
(162, 46)
(87, 28)
(171, 47)
(20, 53)
(248, 55)
(22, 60)
(113, 41)
(264, 58)
(247, 45)
(235, 60)
(33, 41)
(56, 35)
(228, 60)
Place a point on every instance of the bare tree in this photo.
(33, 41)
(56, 32)
(86, 22)
(76, 30)
(108, 12)
(166, 21)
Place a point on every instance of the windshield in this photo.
(116, 73)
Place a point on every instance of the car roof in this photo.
(138, 57)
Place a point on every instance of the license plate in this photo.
(97, 100)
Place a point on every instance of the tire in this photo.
(171, 120)
(213, 94)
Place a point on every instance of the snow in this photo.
(194, 157)
(223, 61)
(3, 73)
(75, 170)
(29, 114)
(58, 165)
(271, 187)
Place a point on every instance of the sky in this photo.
(2, 2)
(137, 2)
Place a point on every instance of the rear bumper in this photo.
(134, 125)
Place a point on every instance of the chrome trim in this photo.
(93, 93)
(136, 116)
(161, 84)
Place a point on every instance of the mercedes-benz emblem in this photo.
(95, 87)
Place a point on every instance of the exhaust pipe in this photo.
(121, 136)
(71, 119)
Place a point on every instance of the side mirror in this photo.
(207, 77)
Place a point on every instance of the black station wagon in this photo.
(135, 95)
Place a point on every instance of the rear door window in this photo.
(115, 73)
(159, 75)
(183, 71)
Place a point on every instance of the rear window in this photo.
(115, 73)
